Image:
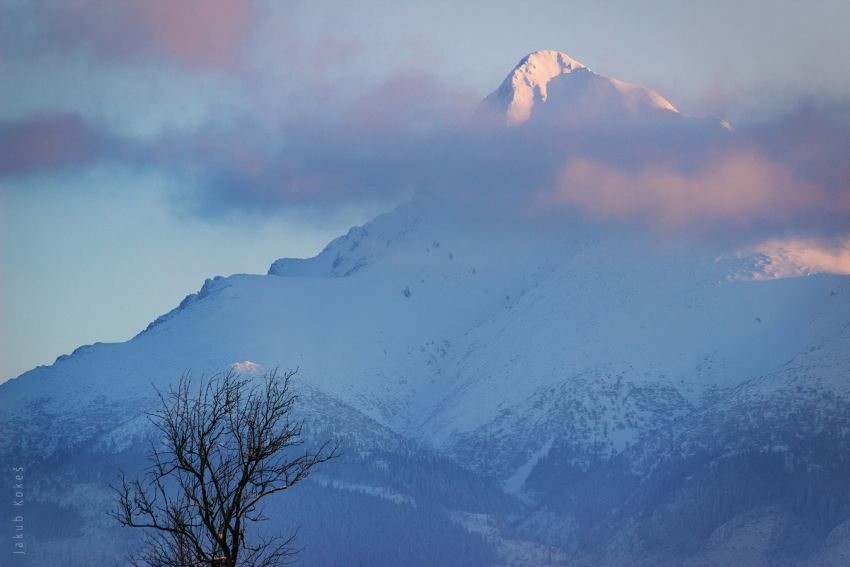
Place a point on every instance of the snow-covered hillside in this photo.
(507, 392)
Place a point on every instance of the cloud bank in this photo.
(305, 121)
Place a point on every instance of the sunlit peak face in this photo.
(246, 367)
(530, 80)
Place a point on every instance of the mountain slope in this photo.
(507, 392)
(522, 357)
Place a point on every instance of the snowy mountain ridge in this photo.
(507, 392)
(552, 79)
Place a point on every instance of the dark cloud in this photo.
(787, 175)
(47, 143)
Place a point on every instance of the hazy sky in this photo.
(147, 146)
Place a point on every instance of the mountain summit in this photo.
(553, 84)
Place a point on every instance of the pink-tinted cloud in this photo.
(739, 188)
(196, 33)
(413, 99)
(44, 143)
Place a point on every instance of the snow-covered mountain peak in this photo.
(539, 67)
(554, 79)
(529, 81)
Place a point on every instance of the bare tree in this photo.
(225, 445)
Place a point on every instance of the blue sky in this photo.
(150, 145)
